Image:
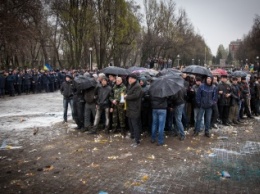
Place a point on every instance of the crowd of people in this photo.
(122, 103)
(18, 82)
(118, 104)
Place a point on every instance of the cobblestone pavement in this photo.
(59, 159)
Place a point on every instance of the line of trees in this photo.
(250, 46)
(60, 32)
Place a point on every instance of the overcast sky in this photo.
(220, 21)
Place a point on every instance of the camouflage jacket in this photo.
(117, 90)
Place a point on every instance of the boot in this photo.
(106, 129)
(93, 130)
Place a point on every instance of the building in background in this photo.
(233, 47)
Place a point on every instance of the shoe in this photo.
(135, 144)
(174, 134)
(251, 117)
(114, 130)
(235, 122)
(226, 124)
(152, 141)
(239, 121)
(92, 132)
(63, 122)
(182, 138)
(195, 134)
(215, 126)
(207, 135)
(106, 129)
(159, 144)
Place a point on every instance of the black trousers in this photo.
(78, 107)
(223, 113)
(215, 114)
(135, 128)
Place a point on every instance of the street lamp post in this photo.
(90, 58)
(199, 62)
(192, 61)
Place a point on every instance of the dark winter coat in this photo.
(2, 81)
(67, 89)
(222, 99)
(235, 95)
(103, 93)
(178, 98)
(27, 79)
(159, 103)
(145, 94)
(244, 90)
(133, 100)
(206, 96)
(89, 95)
(45, 79)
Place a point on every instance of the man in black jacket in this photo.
(67, 92)
(235, 100)
(103, 104)
(224, 92)
(133, 99)
(90, 107)
(178, 102)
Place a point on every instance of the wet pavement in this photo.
(39, 154)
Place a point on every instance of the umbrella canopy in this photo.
(239, 74)
(219, 72)
(151, 72)
(135, 68)
(166, 85)
(169, 71)
(84, 82)
(197, 70)
(115, 70)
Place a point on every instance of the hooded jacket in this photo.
(67, 89)
(206, 95)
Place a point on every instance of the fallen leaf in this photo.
(152, 157)
(145, 178)
(112, 157)
(48, 168)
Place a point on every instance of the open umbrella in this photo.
(169, 71)
(239, 74)
(151, 72)
(115, 70)
(197, 70)
(219, 71)
(84, 82)
(166, 85)
(135, 68)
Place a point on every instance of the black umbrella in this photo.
(169, 71)
(115, 70)
(84, 82)
(197, 70)
(166, 85)
(135, 68)
(239, 74)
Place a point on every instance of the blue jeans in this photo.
(159, 118)
(196, 113)
(67, 102)
(208, 113)
(178, 113)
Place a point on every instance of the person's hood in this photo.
(144, 80)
